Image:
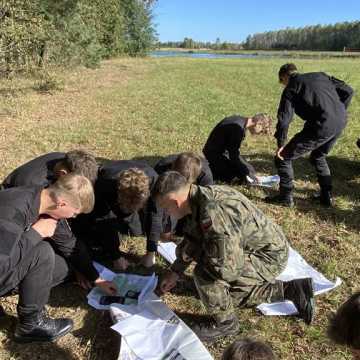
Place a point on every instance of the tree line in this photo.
(189, 43)
(318, 38)
(34, 33)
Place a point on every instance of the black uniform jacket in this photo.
(106, 198)
(318, 99)
(225, 140)
(38, 171)
(19, 209)
(205, 177)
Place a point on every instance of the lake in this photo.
(205, 55)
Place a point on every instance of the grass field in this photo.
(146, 108)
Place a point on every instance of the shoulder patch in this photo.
(206, 224)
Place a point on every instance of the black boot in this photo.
(284, 198)
(324, 196)
(211, 330)
(301, 293)
(37, 326)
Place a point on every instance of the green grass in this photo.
(131, 108)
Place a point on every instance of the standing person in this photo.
(28, 216)
(321, 101)
(239, 253)
(222, 148)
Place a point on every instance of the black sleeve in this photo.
(206, 177)
(73, 250)
(153, 225)
(344, 91)
(14, 238)
(285, 115)
(233, 147)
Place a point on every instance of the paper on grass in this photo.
(144, 285)
(155, 333)
(296, 268)
(264, 181)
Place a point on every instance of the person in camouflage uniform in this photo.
(238, 250)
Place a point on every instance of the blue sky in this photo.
(231, 20)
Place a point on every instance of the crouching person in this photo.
(239, 252)
(29, 217)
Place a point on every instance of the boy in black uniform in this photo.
(46, 168)
(28, 215)
(123, 205)
(222, 149)
(321, 101)
(194, 167)
(43, 171)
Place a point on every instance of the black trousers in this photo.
(318, 144)
(36, 273)
(226, 170)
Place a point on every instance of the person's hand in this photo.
(278, 153)
(108, 287)
(148, 260)
(169, 281)
(82, 281)
(45, 227)
(121, 264)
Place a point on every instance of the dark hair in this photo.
(188, 164)
(248, 349)
(133, 189)
(168, 182)
(287, 69)
(82, 163)
(344, 326)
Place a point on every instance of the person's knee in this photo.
(45, 253)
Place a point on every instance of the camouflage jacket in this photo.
(223, 229)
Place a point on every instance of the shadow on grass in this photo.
(27, 351)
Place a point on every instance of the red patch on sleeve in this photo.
(206, 224)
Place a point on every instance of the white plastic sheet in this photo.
(296, 268)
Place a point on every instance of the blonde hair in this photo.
(133, 189)
(188, 164)
(77, 189)
(264, 121)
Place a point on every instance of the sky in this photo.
(234, 20)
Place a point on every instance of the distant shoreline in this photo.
(273, 53)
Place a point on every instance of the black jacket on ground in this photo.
(38, 171)
(224, 143)
(320, 100)
(106, 198)
(205, 177)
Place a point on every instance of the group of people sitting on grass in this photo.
(61, 211)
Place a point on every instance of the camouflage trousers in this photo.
(256, 284)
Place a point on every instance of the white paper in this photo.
(298, 268)
(167, 251)
(156, 333)
(143, 284)
(264, 181)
